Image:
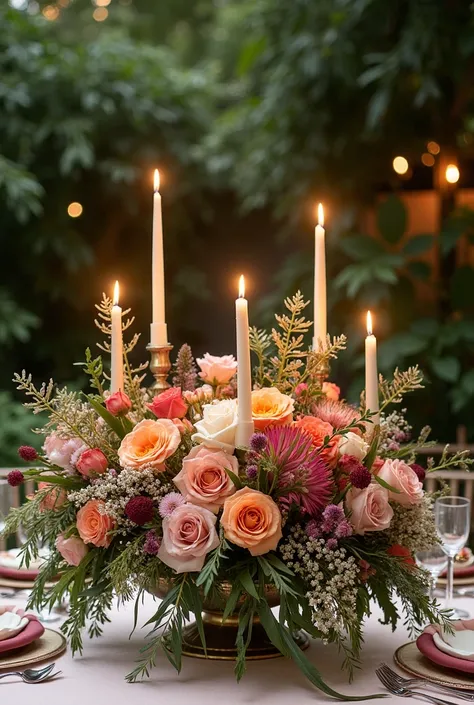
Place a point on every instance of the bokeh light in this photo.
(50, 13)
(433, 147)
(400, 165)
(102, 3)
(452, 174)
(74, 209)
(100, 14)
(427, 159)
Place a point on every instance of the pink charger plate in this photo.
(33, 630)
(461, 571)
(18, 573)
(428, 648)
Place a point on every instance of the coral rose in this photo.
(401, 552)
(401, 477)
(370, 509)
(331, 390)
(92, 462)
(271, 408)
(52, 500)
(118, 404)
(94, 525)
(217, 370)
(252, 520)
(203, 479)
(189, 533)
(149, 444)
(218, 425)
(72, 549)
(319, 430)
(169, 404)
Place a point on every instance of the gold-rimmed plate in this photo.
(411, 660)
(20, 584)
(48, 647)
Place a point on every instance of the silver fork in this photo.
(31, 675)
(407, 682)
(406, 693)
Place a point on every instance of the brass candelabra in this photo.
(160, 366)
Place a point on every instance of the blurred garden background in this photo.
(253, 110)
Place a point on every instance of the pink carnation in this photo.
(61, 451)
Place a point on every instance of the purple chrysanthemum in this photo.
(169, 503)
(360, 477)
(332, 515)
(332, 544)
(27, 453)
(343, 530)
(313, 529)
(15, 478)
(420, 472)
(301, 468)
(258, 442)
(152, 543)
(251, 472)
(338, 414)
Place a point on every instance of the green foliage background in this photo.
(253, 109)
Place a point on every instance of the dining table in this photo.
(97, 676)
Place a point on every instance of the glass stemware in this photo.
(435, 561)
(5, 502)
(453, 521)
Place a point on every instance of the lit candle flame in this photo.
(156, 181)
(369, 323)
(241, 287)
(116, 294)
(320, 215)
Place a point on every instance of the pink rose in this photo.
(72, 549)
(92, 462)
(169, 404)
(331, 390)
(370, 509)
(401, 477)
(52, 500)
(217, 370)
(203, 479)
(118, 404)
(377, 465)
(188, 536)
(61, 451)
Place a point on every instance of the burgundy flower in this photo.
(421, 472)
(15, 478)
(27, 453)
(140, 510)
(360, 477)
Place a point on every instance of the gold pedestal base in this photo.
(220, 640)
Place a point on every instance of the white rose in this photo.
(352, 444)
(218, 426)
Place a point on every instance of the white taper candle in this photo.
(371, 373)
(158, 333)
(245, 426)
(116, 347)
(320, 302)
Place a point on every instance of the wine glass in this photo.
(5, 501)
(434, 561)
(453, 521)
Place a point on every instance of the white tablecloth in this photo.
(97, 677)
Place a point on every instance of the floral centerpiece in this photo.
(321, 514)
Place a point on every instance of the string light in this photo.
(100, 14)
(452, 174)
(74, 209)
(400, 165)
(50, 13)
(433, 147)
(427, 159)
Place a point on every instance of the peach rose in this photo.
(54, 499)
(218, 425)
(252, 520)
(189, 533)
(319, 430)
(203, 479)
(72, 549)
(271, 408)
(149, 444)
(370, 509)
(94, 525)
(401, 477)
(217, 370)
(331, 390)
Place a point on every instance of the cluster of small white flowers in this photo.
(116, 489)
(394, 430)
(414, 527)
(333, 576)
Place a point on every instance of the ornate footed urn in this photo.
(221, 636)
